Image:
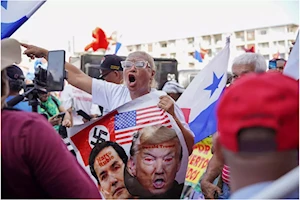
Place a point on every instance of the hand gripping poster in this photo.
(135, 151)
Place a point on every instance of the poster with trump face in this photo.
(135, 151)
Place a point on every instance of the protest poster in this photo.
(132, 155)
(197, 165)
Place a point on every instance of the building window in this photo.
(163, 55)
(263, 32)
(282, 55)
(207, 39)
(150, 47)
(264, 45)
(250, 35)
(209, 53)
(191, 54)
(281, 43)
(292, 29)
(218, 50)
(267, 57)
(240, 36)
(190, 40)
(191, 65)
(138, 47)
(217, 38)
(130, 49)
(173, 55)
(163, 44)
(240, 48)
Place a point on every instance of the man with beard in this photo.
(107, 161)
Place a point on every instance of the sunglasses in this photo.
(137, 64)
(102, 76)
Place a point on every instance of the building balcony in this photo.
(261, 38)
(264, 51)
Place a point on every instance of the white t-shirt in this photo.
(76, 99)
(112, 96)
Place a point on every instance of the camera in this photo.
(45, 80)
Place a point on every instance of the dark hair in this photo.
(15, 77)
(98, 148)
(15, 85)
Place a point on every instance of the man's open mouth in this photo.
(159, 183)
(131, 78)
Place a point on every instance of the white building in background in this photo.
(266, 41)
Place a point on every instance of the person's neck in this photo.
(137, 94)
(246, 175)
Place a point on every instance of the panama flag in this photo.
(198, 102)
(16, 13)
(292, 66)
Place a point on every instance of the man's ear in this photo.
(153, 73)
(131, 167)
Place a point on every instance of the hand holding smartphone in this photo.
(61, 115)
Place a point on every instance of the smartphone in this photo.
(84, 115)
(272, 64)
(56, 70)
(61, 115)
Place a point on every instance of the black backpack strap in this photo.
(42, 106)
(55, 101)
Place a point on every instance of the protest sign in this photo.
(197, 165)
(142, 159)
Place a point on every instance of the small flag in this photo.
(15, 13)
(129, 122)
(198, 56)
(118, 46)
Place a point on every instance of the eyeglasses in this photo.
(137, 64)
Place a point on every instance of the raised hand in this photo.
(34, 51)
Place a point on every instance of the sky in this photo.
(142, 21)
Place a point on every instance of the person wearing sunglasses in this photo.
(111, 69)
(139, 79)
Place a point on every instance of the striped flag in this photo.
(129, 122)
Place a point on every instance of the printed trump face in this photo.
(110, 172)
(155, 166)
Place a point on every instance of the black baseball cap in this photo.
(111, 62)
(14, 72)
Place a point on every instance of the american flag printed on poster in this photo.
(127, 123)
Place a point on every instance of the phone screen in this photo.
(56, 70)
(272, 64)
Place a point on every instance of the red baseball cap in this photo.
(268, 100)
